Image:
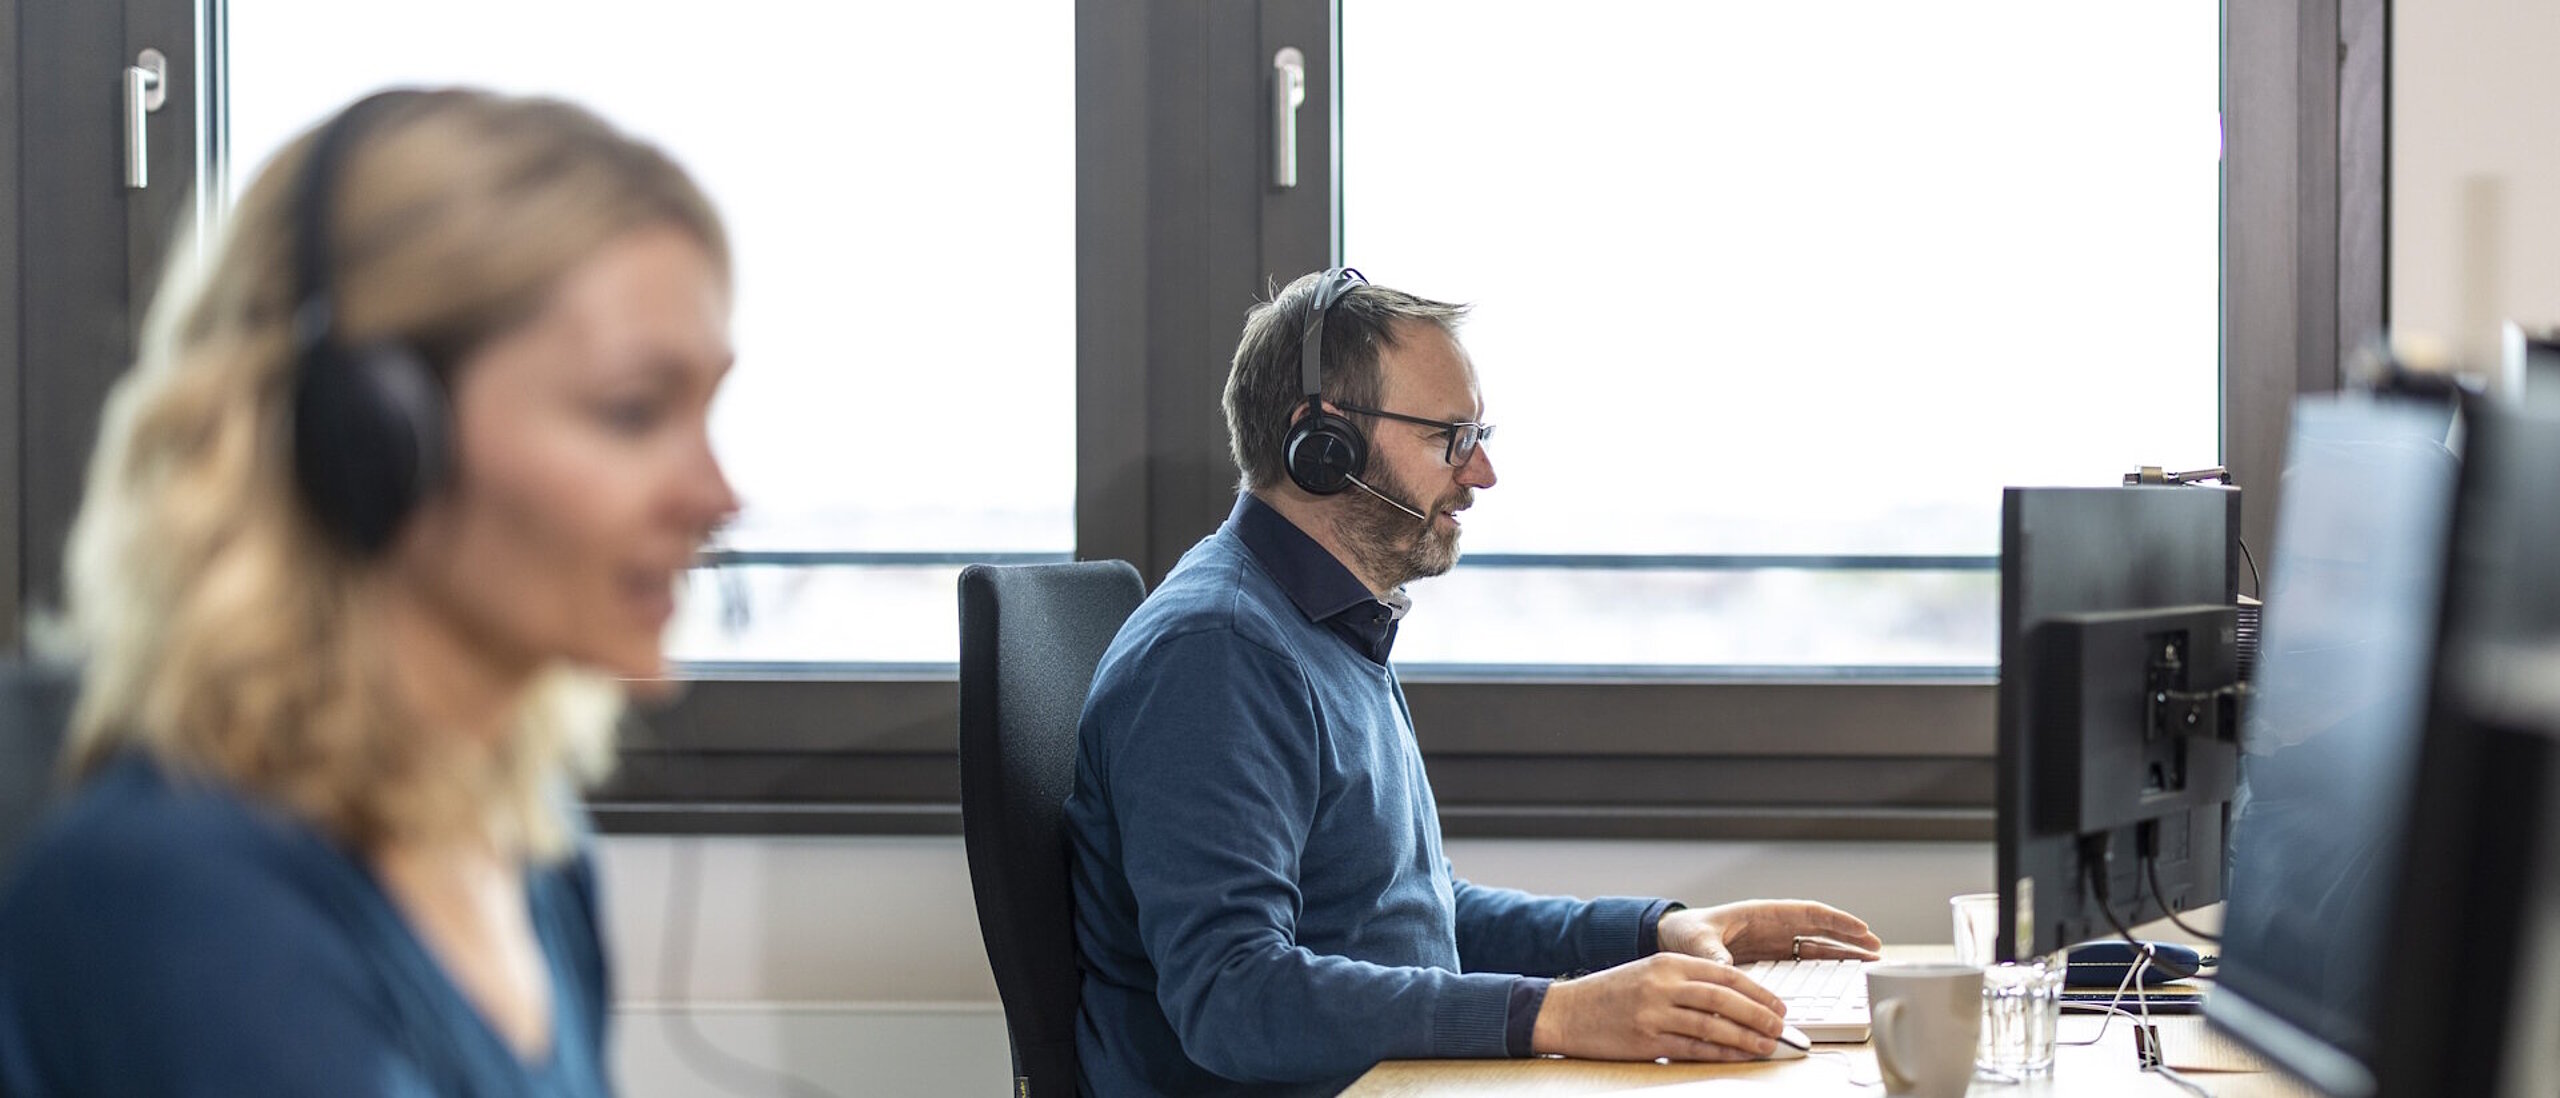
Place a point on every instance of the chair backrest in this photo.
(1030, 638)
(35, 712)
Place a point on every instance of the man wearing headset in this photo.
(1261, 901)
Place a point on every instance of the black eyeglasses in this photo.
(1463, 437)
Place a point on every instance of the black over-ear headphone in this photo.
(1324, 452)
(372, 424)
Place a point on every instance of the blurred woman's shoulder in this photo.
(164, 928)
(139, 842)
(209, 936)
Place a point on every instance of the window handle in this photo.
(1288, 93)
(146, 86)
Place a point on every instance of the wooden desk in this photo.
(2104, 1070)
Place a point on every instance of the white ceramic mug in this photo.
(1927, 1024)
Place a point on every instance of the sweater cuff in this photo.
(1472, 1019)
(1612, 930)
(1528, 995)
(1649, 930)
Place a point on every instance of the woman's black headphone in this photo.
(1324, 452)
(372, 424)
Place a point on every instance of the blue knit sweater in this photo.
(170, 936)
(1261, 901)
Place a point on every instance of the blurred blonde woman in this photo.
(398, 489)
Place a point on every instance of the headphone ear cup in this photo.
(371, 440)
(1325, 452)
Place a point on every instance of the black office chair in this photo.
(35, 712)
(1030, 637)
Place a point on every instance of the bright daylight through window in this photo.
(1773, 299)
(899, 186)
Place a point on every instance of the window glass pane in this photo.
(764, 618)
(898, 182)
(1794, 279)
(1923, 623)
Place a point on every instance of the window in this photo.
(1807, 286)
(1036, 227)
(898, 183)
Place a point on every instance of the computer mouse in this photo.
(1792, 1045)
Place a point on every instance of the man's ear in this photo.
(1298, 411)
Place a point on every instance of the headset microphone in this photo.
(1364, 486)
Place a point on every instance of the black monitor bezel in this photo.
(2037, 866)
(2312, 1032)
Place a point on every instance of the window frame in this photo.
(69, 333)
(1172, 219)
(1177, 231)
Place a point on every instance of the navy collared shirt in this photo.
(1321, 587)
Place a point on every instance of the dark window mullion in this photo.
(13, 334)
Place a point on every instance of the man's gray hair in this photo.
(1264, 387)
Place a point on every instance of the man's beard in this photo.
(1393, 547)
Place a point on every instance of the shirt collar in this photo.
(1319, 585)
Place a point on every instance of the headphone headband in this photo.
(1338, 282)
(370, 423)
(314, 202)
(1324, 453)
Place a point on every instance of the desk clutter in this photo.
(2110, 1068)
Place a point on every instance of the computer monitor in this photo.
(2471, 1002)
(2331, 730)
(2531, 361)
(2117, 678)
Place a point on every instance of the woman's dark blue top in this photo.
(172, 937)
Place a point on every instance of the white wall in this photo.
(2475, 170)
(855, 963)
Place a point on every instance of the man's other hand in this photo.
(1767, 930)
(1668, 1005)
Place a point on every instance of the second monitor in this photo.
(2118, 684)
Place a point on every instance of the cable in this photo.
(2113, 1007)
(2142, 999)
(2151, 1062)
(2157, 1061)
(728, 1072)
(2257, 590)
(2110, 1010)
(2133, 973)
(2098, 887)
(2151, 866)
(1848, 1067)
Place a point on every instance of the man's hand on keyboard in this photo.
(1767, 930)
(1668, 1005)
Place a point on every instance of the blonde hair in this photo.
(223, 631)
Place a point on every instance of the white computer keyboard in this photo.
(1825, 999)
